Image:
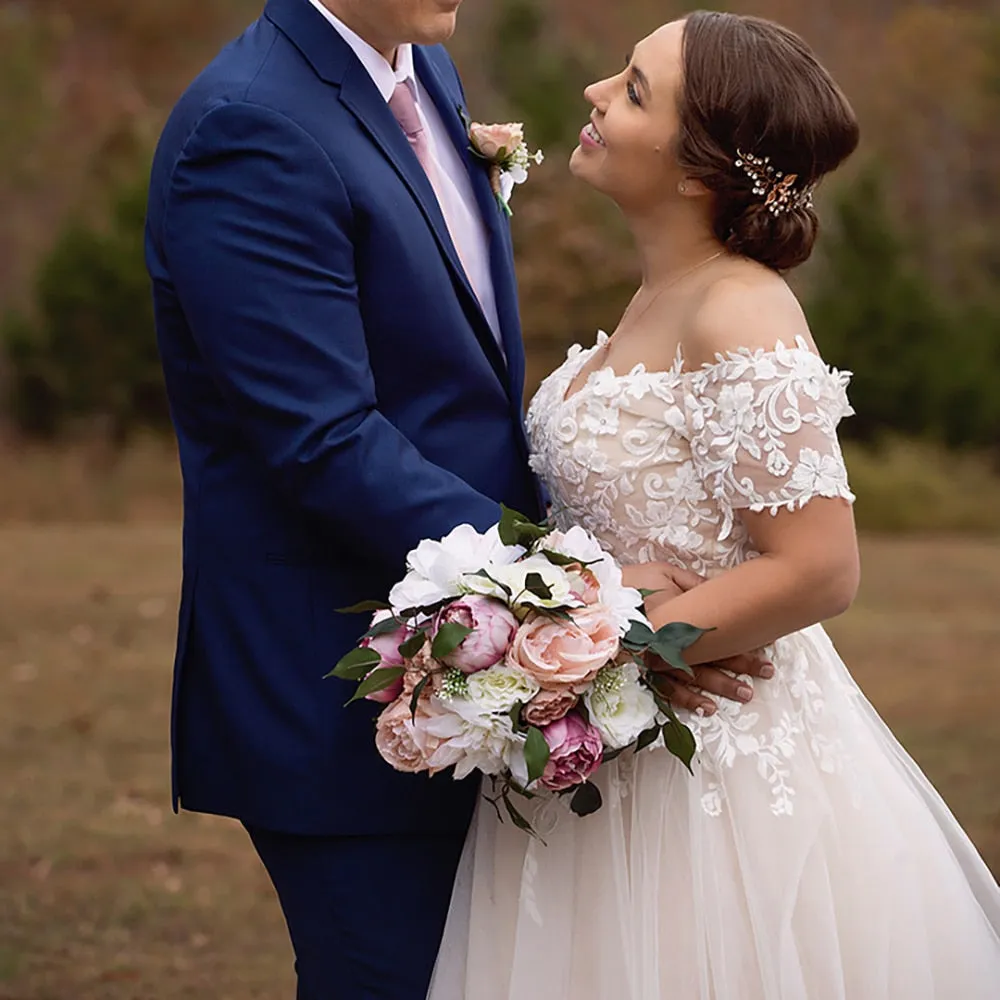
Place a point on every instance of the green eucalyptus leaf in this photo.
(413, 645)
(355, 665)
(516, 529)
(385, 627)
(668, 710)
(558, 559)
(377, 680)
(417, 692)
(428, 610)
(680, 634)
(515, 816)
(648, 593)
(449, 637)
(610, 755)
(515, 717)
(534, 584)
(638, 637)
(536, 754)
(646, 738)
(586, 799)
(680, 742)
(672, 656)
(483, 575)
(671, 640)
(357, 609)
(559, 614)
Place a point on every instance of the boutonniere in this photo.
(504, 149)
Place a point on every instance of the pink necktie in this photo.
(404, 106)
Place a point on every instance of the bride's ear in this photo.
(690, 188)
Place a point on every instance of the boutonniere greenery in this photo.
(504, 149)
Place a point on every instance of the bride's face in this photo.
(627, 150)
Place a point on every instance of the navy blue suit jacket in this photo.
(338, 396)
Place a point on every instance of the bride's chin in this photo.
(579, 167)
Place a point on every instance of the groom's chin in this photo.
(440, 27)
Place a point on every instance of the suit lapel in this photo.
(335, 63)
(497, 227)
(361, 97)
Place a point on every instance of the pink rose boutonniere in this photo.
(504, 149)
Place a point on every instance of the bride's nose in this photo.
(595, 94)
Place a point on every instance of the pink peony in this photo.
(576, 752)
(548, 706)
(402, 739)
(493, 627)
(564, 655)
(387, 647)
(488, 140)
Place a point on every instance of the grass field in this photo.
(105, 895)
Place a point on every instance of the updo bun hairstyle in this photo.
(761, 122)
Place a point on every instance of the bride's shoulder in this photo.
(740, 312)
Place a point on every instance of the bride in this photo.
(807, 858)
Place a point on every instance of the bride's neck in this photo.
(671, 239)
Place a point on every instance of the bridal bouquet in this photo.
(518, 653)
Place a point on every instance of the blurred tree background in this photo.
(103, 895)
(903, 290)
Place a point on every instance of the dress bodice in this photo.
(657, 463)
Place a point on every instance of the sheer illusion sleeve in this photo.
(763, 428)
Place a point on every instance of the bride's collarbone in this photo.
(655, 350)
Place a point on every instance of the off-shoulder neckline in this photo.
(739, 355)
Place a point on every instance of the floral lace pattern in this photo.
(657, 465)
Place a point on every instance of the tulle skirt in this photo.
(808, 858)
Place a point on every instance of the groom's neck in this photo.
(353, 15)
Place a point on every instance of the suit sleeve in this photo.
(257, 236)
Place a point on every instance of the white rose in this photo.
(499, 689)
(514, 576)
(437, 568)
(620, 707)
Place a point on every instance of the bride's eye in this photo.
(633, 94)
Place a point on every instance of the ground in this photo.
(106, 895)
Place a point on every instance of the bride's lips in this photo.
(590, 138)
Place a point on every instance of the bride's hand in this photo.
(666, 582)
(683, 690)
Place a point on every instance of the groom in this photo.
(337, 320)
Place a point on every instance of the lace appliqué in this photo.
(657, 464)
(764, 429)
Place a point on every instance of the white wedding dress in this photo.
(808, 858)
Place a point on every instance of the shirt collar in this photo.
(384, 76)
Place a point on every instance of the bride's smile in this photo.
(625, 149)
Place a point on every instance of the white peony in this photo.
(436, 568)
(624, 602)
(500, 688)
(472, 740)
(620, 707)
(514, 576)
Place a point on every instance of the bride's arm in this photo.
(807, 572)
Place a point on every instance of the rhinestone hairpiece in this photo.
(777, 189)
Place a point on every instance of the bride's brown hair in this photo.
(755, 87)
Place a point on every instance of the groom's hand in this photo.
(684, 690)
